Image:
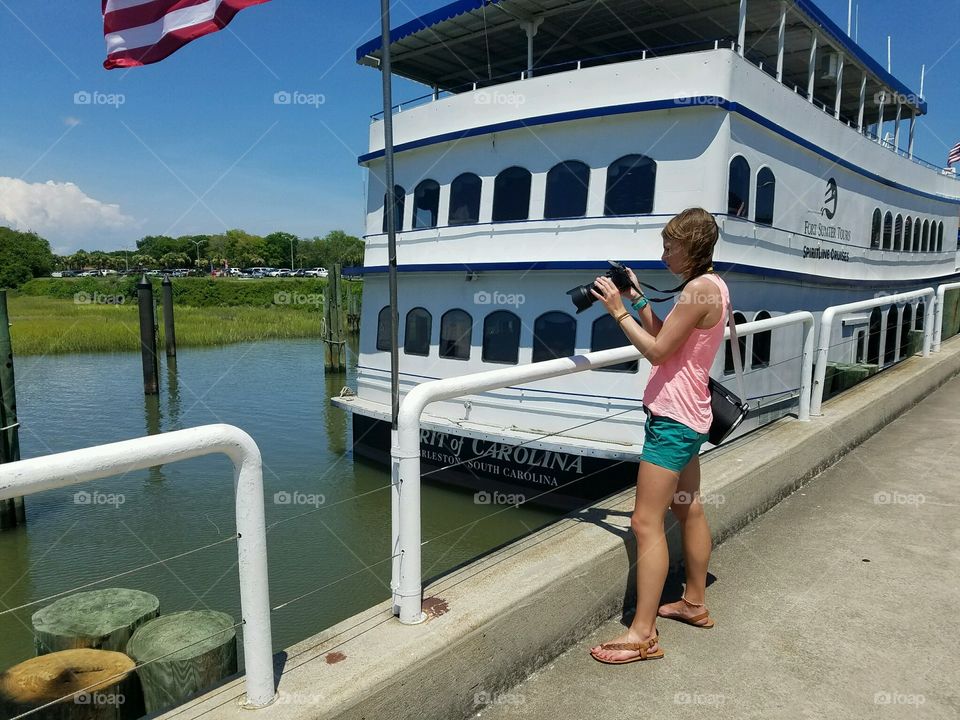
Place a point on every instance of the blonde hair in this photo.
(696, 232)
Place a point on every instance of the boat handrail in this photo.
(48, 472)
(406, 583)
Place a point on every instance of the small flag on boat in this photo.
(140, 32)
(954, 155)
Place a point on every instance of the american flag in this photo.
(954, 155)
(139, 32)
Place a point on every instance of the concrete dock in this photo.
(840, 602)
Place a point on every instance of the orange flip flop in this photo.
(641, 647)
(695, 620)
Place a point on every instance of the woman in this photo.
(681, 348)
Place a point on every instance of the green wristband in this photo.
(640, 303)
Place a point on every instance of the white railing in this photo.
(26, 477)
(826, 327)
(938, 316)
(406, 583)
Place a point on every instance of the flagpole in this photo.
(389, 207)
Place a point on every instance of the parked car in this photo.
(316, 272)
(298, 273)
(279, 272)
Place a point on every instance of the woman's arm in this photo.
(691, 308)
(648, 318)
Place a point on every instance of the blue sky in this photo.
(198, 144)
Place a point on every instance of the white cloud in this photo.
(62, 213)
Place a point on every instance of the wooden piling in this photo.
(148, 337)
(169, 333)
(12, 511)
(335, 352)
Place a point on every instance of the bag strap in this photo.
(735, 351)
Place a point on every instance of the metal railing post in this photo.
(49, 472)
(826, 328)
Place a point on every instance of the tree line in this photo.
(25, 255)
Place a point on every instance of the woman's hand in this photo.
(609, 295)
(631, 292)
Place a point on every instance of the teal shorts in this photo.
(669, 443)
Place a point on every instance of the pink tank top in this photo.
(678, 388)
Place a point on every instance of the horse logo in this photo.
(830, 200)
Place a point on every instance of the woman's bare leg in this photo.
(697, 542)
(655, 489)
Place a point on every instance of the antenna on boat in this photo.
(888, 54)
(849, 15)
(856, 37)
(389, 207)
(923, 71)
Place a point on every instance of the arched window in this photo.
(401, 196)
(873, 337)
(738, 188)
(890, 343)
(567, 185)
(728, 366)
(416, 336)
(875, 229)
(887, 230)
(940, 237)
(898, 233)
(908, 234)
(766, 192)
(605, 334)
(465, 199)
(916, 234)
(511, 195)
(906, 321)
(501, 337)
(554, 335)
(383, 329)
(426, 204)
(925, 237)
(456, 327)
(761, 343)
(631, 181)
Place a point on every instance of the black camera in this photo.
(583, 298)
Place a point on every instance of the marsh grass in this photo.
(43, 325)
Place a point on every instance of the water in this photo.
(277, 392)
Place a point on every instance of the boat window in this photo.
(728, 367)
(908, 234)
(426, 204)
(631, 181)
(554, 336)
(416, 336)
(465, 199)
(898, 233)
(761, 343)
(400, 194)
(858, 344)
(906, 321)
(605, 334)
(501, 337)
(511, 195)
(916, 235)
(925, 238)
(875, 229)
(873, 337)
(456, 327)
(940, 237)
(887, 230)
(766, 191)
(738, 188)
(567, 185)
(921, 315)
(383, 329)
(890, 343)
